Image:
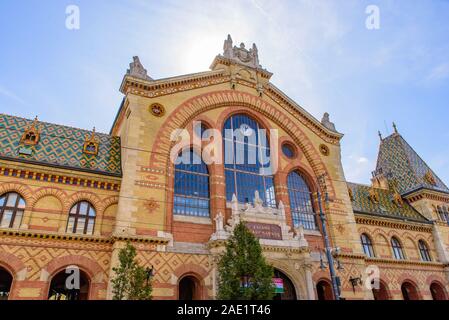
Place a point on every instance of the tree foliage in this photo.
(243, 259)
(130, 281)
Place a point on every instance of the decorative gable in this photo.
(91, 144)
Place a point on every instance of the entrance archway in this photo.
(381, 293)
(437, 291)
(289, 289)
(189, 288)
(64, 288)
(409, 291)
(324, 290)
(5, 284)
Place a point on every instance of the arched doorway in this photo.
(381, 293)
(324, 290)
(409, 291)
(189, 288)
(437, 291)
(5, 284)
(65, 285)
(289, 289)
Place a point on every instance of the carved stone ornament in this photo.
(429, 178)
(31, 135)
(137, 70)
(327, 123)
(91, 144)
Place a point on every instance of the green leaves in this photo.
(130, 281)
(243, 262)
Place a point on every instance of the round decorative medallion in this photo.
(157, 110)
(324, 150)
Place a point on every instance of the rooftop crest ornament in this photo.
(240, 54)
(91, 144)
(32, 134)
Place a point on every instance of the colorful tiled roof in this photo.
(384, 207)
(60, 146)
(399, 162)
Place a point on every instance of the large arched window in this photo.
(191, 185)
(12, 207)
(424, 251)
(81, 218)
(367, 245)
(247, 161)
(301, 201)
(397, 249)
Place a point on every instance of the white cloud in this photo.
(439, 72)
(10, 95)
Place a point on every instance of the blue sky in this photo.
(320, 52)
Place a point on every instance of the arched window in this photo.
(437, 291)
(60, 289)
(247, 161)
(397, 249)
(191, 185)
(424, 251)
(12, 206)
(81, 218)
(301, 201)
(367, 245)
(409, 291)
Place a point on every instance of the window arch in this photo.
(191, 195)
(367, 245)
(424, 251)
(247, 160)
(398, 253)
(301, 203)
(12, 206)
(81, 218)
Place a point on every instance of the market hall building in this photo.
(73, 197)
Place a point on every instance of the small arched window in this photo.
(81, 218)
(367, 245)
(191, 186)
(444, 214)
(398, 253)
(12, 206)
(424, 251)
(301, 201)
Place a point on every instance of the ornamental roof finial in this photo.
(395, 128)
(380, 135)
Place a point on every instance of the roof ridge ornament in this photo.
(395, 128)
(137, 70)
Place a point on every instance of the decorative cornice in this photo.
(390, 223)
(80, 237)
(59, 179)
(405, 262)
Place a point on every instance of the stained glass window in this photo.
(301, 202)
(81, 218)
(247, 161)
(12, 206)
(191, 185)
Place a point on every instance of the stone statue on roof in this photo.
(137, 70)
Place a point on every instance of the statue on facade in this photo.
(219, 222)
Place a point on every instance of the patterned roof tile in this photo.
(60, 146)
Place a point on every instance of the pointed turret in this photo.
(400, 162)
